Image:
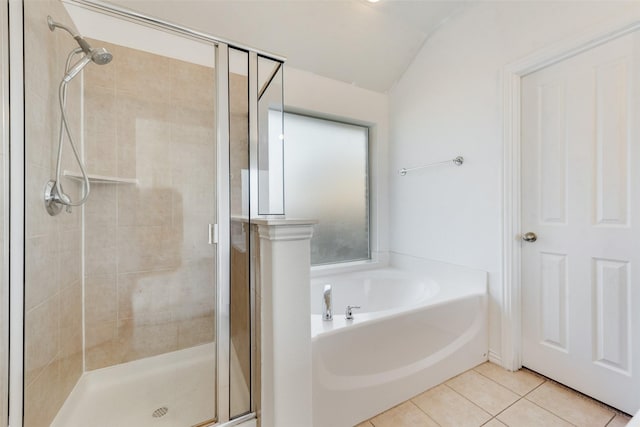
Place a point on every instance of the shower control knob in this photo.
(529, 237)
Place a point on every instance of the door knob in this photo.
(529, 237)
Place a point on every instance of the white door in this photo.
(581, 197)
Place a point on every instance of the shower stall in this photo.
(139, 304)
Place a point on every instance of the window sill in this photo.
(347, 267)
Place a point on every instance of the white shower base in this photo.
(128, 394)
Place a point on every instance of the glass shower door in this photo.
(122, 291)
(240, 320)
(165, 315)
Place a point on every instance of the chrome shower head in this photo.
(99, 55)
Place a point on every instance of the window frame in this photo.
(371, 242)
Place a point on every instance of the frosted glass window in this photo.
(326, 178)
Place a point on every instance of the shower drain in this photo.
(160, 412)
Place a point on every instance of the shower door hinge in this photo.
(213, 234)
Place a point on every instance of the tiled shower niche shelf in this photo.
(101, 179)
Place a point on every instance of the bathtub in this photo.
(415, 329)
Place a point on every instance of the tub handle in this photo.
(348, 314)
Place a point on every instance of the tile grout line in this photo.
(467, 399)
(520, 397)
(370, 420)
(586, 397)
(494, 417)
(623, 415)
(544, 379)
(495, 382)
(579, 395)
(611, 420)
(420, 409)
(549, 411)
(518, 400)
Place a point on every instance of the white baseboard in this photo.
(495, 358)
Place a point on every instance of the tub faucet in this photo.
(326, 303)
(348, 313)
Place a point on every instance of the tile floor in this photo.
(491, 396)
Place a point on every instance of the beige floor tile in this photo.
(404, 415)
(572, 407)
(526, 414)
(521, 382)
(449, 408)
(365, 424)
(487, 394)
(494, 423)
(619, 421)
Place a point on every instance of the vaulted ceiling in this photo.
(366, 44)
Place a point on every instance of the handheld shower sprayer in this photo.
(54, 196)
(77, 67)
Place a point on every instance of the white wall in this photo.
(449, 103)
(305, 92)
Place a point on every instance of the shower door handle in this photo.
(213, 234)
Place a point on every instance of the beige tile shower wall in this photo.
(149, 273)
(53, 295)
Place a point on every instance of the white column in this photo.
(286, 322)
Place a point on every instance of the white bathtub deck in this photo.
(128, 394)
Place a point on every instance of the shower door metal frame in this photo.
(16, 212)
(4, 278)
(161, 24)
(223, 340)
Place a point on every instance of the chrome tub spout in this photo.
(327, 313)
